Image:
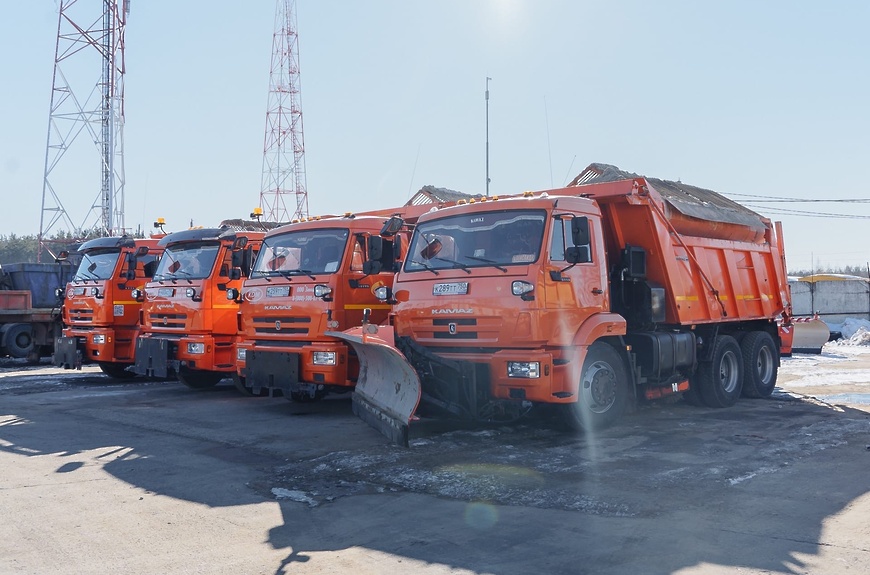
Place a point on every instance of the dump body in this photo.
(189, 327)
(589, 296)
(311, 277)
(100, 312)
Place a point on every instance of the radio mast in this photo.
(86, 122)
(283, 178)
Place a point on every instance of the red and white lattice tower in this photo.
(283, 178)
(86, 122)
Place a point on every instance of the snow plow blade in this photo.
(810, 334)
(388, 388)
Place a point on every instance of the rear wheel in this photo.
(17, 339)
(603, 393)
(720, 381)
(199, 379)
(760, 364)
(116, 370)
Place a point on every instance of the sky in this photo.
(755, 100)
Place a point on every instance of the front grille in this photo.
(286, 325)
(168, 320)
(443, 329)
(81, 315)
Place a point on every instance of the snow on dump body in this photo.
(690, 201)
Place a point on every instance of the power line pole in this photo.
(487, 135)
(284, 143)
(81, 106)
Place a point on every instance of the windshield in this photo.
(305, 252)
(97, 265)
(190, 260)
(494, 239)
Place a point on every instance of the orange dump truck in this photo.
(189, 327)
(311, 277)
(100, 311)
(588, 297)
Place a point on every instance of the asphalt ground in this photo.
(143, 477)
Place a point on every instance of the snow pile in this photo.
(855, 332)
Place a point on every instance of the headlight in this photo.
(190, 292)
(137, 294)
(232, 294)
(95, 291)
(99, 339)
(524, 369)
(197, 348)
(241, 353)
(60, 293)
(383, 293)
(321, 290)
(323, 358)
(521, 287)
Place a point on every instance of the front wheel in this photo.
(199, 379)
(239, 382)
(720, 381)
(116, 370)
(603, 392)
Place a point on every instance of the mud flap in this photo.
(388, 389)
(66, 353)
(810, 334)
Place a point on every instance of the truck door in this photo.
(580, 289)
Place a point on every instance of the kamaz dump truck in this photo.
(587, 297)
(311, 277)
(100, 310)
(189, 327)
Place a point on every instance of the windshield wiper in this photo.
(490, 262)
(308, 273)
(425, 266)
(455, 263)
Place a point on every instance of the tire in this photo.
(603, 392)
(239, 382)
(692, 396)
(116, 370)
(760, 364)
(17, 339)
(199, 379)
(720, 381)
(304, 397)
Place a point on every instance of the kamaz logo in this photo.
(164, 306)
(276, 307)
(451, 311)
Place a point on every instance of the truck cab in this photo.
(189, 326)
(100, 310)
(310, 277)
(500, 288)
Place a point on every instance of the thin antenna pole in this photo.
(487, 135)
(549, 151)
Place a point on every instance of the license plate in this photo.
(165, 292)
(278, 291)
(457, 288)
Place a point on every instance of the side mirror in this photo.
(372, 267)
(62, 256)
(580, 230)
(577, 255)
(375, 248)
(240, 242)
(235, 274)
(392, 226)
(141, 251)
